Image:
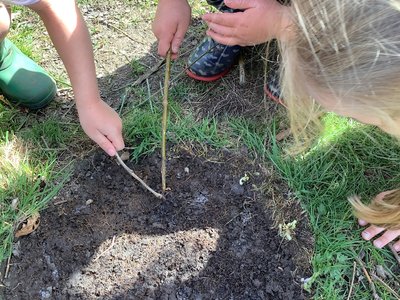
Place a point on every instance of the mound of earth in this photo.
(105, 237)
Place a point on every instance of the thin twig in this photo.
(395, 254)
(123, 99)
(7, 268)
(156, 67)
(60, 202)
(137, 177)
(44, 141)
(165, 121)
(386, 286)
(371, 283)
(105, 251)
(242, 71)
(149, 95)
(121, 31)
(352, 280)
(143, 77)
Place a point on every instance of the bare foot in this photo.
(373, 231)
(380, 242)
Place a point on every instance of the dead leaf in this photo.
(29, 225)
(283, 134)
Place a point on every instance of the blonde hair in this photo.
(350, 50)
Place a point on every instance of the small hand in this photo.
(103, 125)
(261, 21)
(373, 231)
(170, 25)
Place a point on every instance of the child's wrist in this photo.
(87, 101)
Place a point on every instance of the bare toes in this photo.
(386, 238)
(362, 222)
(396, 246)
(371, 232)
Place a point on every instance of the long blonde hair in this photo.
(349, 49)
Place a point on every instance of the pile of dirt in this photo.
(105, 237)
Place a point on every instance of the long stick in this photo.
(395, 254)
(137, 177)
(165, 121)
(371, 283)
(352, 280)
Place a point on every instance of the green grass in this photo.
(142, 128)
(30, 182)
(348, 159)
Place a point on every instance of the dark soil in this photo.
(105, 237)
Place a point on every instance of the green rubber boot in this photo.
(22, 81)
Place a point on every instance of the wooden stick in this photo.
(8, 267)
(137, 177)
(242, 72)
(165, 121)
(386, 286)
(395, 254)
(352, 280)
(371, 283)
(121, 31)
(143, 77)
(105, 251)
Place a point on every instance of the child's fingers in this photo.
(225, 40)
(221, 30)
(114, 135)
(118, 142)
(104, 143)
(225, 19)
(164, 44)
(240, 4)
(178, 37)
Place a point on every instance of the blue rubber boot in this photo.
(273, 87)
(211, 60)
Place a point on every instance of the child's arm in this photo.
(259, 22)
(170, 25)
(70, 36)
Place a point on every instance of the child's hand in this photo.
(261, 21)
(103, 125)
(170, 25)
(373, 231)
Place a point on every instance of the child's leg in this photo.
(22, 81)
(5, 21)
(211, 60)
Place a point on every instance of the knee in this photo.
(5, 21)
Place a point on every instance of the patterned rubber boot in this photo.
(211, 60)
(22, 81)
(273, 88)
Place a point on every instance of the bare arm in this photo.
(70, 36)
